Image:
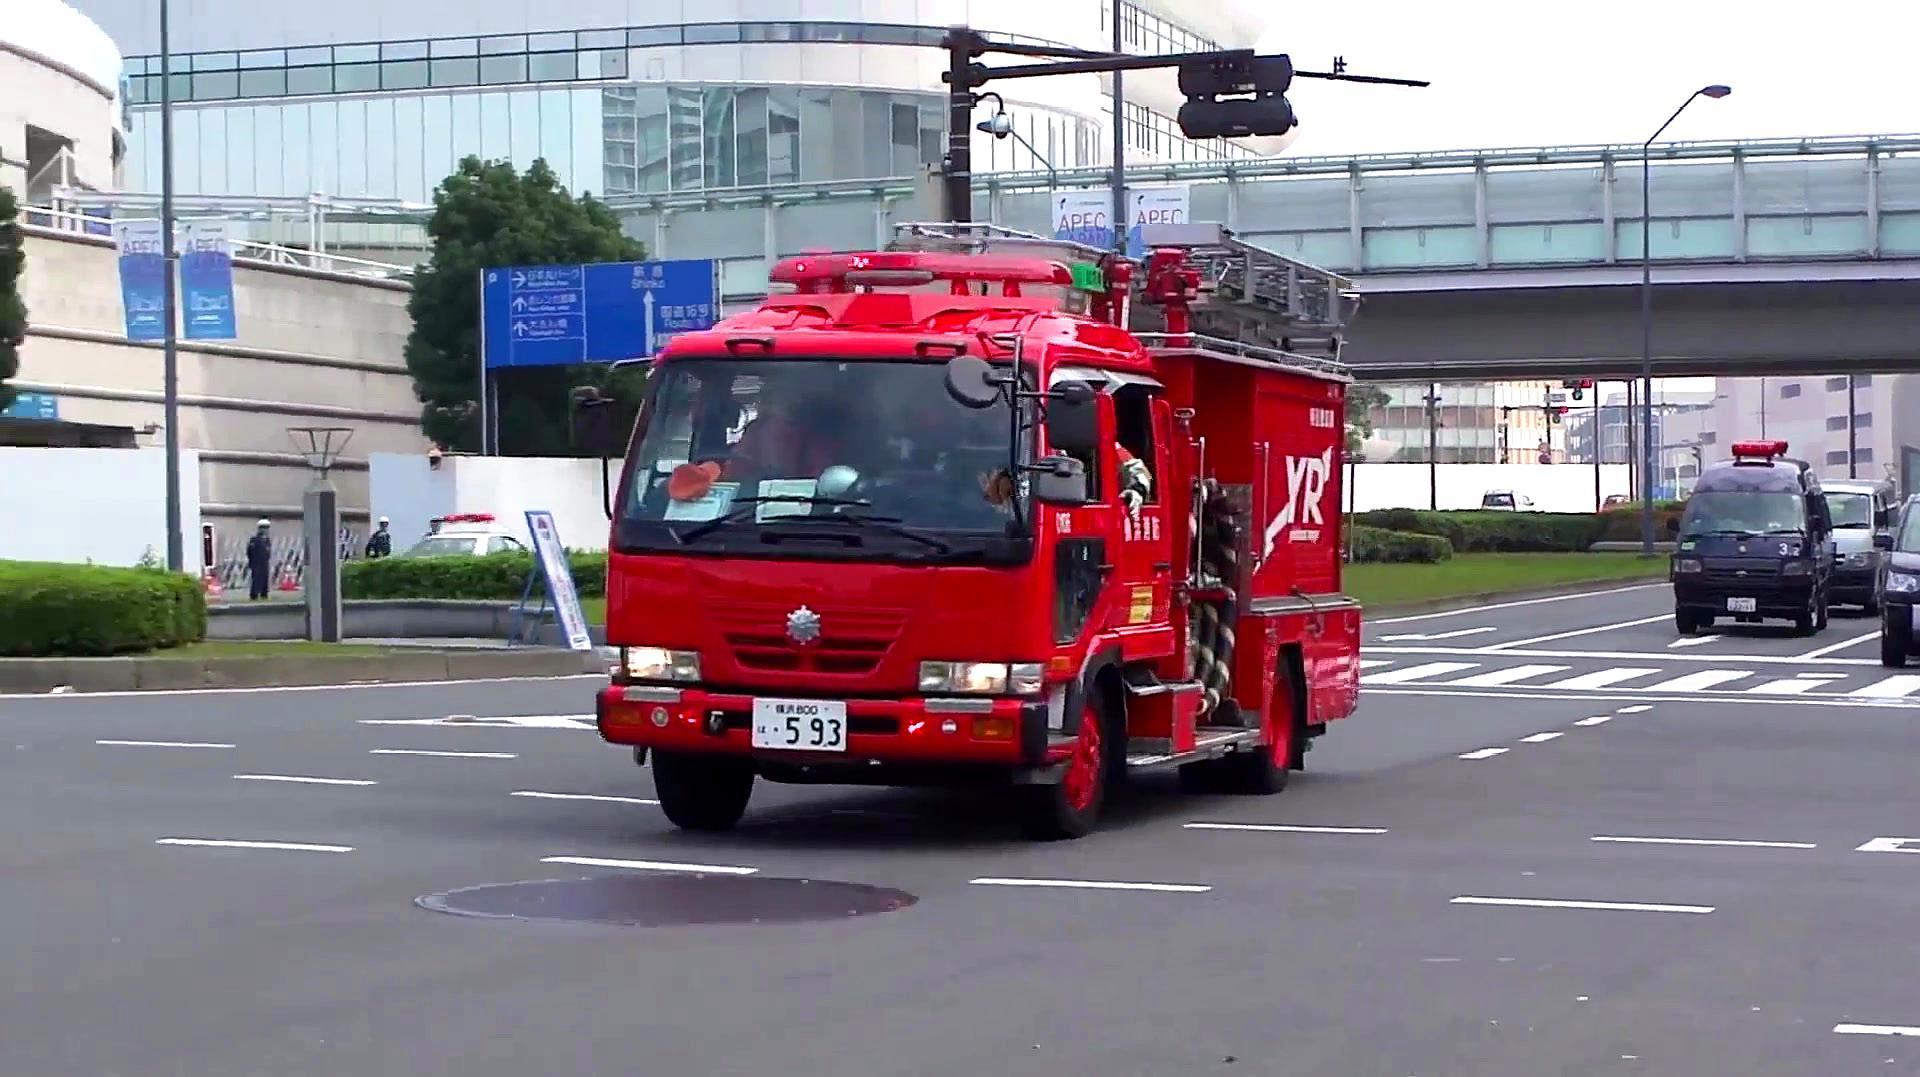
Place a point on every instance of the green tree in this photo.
(13, 309)
(1361, 400)
(487, 214)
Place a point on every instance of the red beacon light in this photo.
(467, 518)
(1759, 450)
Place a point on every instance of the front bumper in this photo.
(1853, 584)
(913, 730)
(1778, 597)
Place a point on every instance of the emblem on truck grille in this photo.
(803, 626)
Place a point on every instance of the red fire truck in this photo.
(988, 507)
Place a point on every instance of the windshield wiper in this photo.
(1743, 533)
(893, 525)
(741, 515)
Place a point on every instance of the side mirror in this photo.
(1883, 541)
(591, 423)
(972, 382)
(1073, 420)
(1060, 480)
(1673, 526)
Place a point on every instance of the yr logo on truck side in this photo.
(1306, 486)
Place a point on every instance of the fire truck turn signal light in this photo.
(993, 729)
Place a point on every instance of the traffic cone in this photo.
(211, 583)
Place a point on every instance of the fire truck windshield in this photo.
(816, 458)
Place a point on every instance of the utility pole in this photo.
(1598, 500)
(1119, 140)
(1853, 444)
(1433, 446)
(170, 339)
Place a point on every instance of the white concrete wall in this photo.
(107, 506)
(407, 490)
(1553, 487)
(59, 73)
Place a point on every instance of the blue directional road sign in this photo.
(599, 313)
(32, 406)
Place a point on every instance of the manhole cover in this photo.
(667, 900)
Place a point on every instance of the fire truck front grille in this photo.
(851, 642)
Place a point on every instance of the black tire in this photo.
(1685, 621)
(702, 792)
(1070, 808)
(1264, 771)
(1703, 621)
(1894, 642)
(1803, 621)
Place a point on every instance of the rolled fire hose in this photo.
(1212, 636)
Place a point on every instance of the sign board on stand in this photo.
(206, 280)
(552, 560)
(143, 278)
(560, 315)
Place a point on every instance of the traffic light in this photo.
(1217, 103)
(1578, 385)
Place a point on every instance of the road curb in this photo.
(135, 674)
(1466, 602)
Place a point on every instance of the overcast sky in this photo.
(1546, 72)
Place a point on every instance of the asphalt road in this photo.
(1456, 895)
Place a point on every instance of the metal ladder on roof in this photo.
(970, 237)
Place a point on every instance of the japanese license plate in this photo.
(800, 725)
(1742, 605)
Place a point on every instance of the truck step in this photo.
(1143, 682)
(1210, 742)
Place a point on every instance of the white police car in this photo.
(464, 534)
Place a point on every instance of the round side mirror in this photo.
(971, 382)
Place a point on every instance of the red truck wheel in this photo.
(1070, 808)
(702, 792)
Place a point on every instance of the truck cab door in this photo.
(1143, 430)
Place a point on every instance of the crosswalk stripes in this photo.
(1463, 675)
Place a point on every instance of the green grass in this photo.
(596, 609)
(267, 648)
(1378, 585)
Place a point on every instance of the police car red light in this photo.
(1764, 450)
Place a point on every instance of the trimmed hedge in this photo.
(58, 610)
(1376, 544)
(1480, 531)
(1622, 522)
(494, 577)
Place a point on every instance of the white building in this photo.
(372, 99)
(60, 115)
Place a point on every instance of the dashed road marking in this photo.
(1541, 738)
(582, 722)
(1287, 828)
(1588, 631)
(1876, 1030)
(1890, 845)
(1608, 906)
(1842, 645)
(1498, 677)
(301, 779)
(1093, 884)
(442, 755)
(1598, 719)
(1414, 673)
(1897, 686)
(1739, 843)
(1484, 753)
(232, 843)
(649, 865)
(582, 796)
(1640, 709)
(162, 744)
(1601, 678)
(1573, 597)
(1701, 680)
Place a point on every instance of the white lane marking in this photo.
(1640, 709)
(1694, 682)
(1897, 686)
(443, 755)
(1589, 631)
(1455, 634)
(1876, 1030)
(1414, 673)
(1574, 597)
(301, 779)
(1284, 828)
(1890, 845)
(521, 721)
(1728, 842)
(1371, 663)
(1797, 685)
(1841, 646)
(1541, 738)
(581, 796)
(380, 686)
(1620, 656)
(1612, 906)
(649, 865)
(1495, 678)
(1485, 753)
(1598, 719)
(228, 843)
(1627, 694)
(1091, 884)
(1600, 678)
(162, 744)
(1695, 641)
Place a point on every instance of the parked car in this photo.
(1860, 511)
(1615, 500)
(467, 533)
(1506, 501)
(1898, 589)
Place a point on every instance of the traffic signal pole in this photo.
(1247, 72)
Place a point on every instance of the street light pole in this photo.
(1853, 440)
(1646, 316)
(169, 340)
(1119, 139)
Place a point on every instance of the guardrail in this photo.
(64, 220)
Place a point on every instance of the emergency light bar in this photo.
(1758, 450)
(465, 518)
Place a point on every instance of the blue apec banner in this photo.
(1087, 216)
(206, 281)
(143, 278)
(559, 315)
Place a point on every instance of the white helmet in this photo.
(262, 522)
(384, 521)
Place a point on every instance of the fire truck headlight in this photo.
(660, 664)
(981, 678)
